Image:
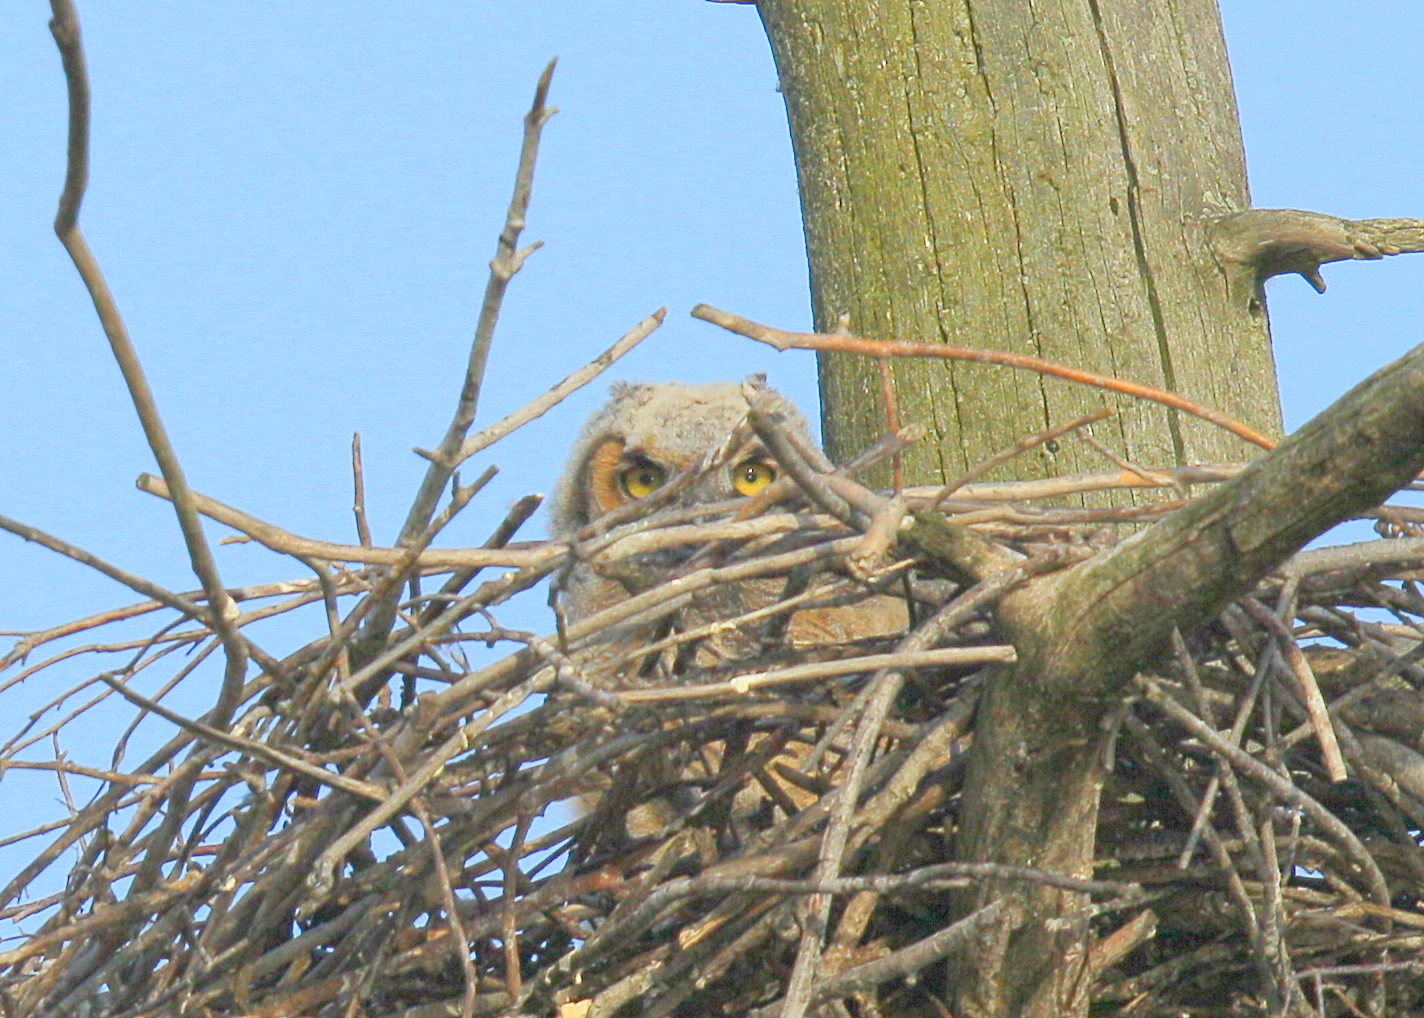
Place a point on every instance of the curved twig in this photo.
(784, 340)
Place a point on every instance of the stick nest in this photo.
(377, 832)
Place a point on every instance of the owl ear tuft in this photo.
(619, 391)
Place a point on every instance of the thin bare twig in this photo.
(783, 340)
(65, 28)
(745, 683)
(287, 543)
(248, 746)
(1309, 689)
(358, 492)
(507, 261)
(1032, 442)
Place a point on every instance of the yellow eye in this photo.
(750, 476)
(641, 479)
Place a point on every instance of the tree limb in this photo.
(1274, 242)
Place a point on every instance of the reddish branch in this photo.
(836, 342)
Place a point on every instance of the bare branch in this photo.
(784, 340)
(65, 28)
(506, 262)
(287, 543)
(1272, 242)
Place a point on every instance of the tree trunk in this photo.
(1039, 178)
(1032, 177)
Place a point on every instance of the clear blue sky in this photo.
(295, 204)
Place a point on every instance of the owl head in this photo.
(649, 433)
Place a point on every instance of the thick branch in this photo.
(1274, 242)
(1037, 764)
(1098, 622)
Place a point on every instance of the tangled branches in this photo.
(377, 824)
(339, 854)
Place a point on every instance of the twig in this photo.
(543, 404)
(166, 598)
(358, 494)
(1309, 688)
(257, 749)
(912, 959)
(287, 543)
(743, 684)
(517, 516)
(881, 693)
(1032, 442)
(783, 340)
(1281, 786)
(507, 261)
(891, 399)
(768, 427)
(65, 28)
(1072, 484)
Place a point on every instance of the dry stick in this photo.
(770, 428)
(1073, 484)
(508, 259)
(358, 492)
(1274, 919)
(388, 589)
(251, 747)
(617, 547)
(1157, 756)
(776, 608)
(745, 683)
(510, 928)
(894, 348)
(61, 766)
(1309, 688)
(1222, 774)
(1281, 786)
(178, 602)
(460, 944)
(1032, 442)
(95, 813)
(64, 26)
(935, 876)
(323, 872)
(1121, 461)
(891, 399)
(1208, 799)
(882, 690)
(36, 638)
(917, 955)
(538, 407)
(517, 516)
(287, 543)
(164, 597)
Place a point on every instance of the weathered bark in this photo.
(1065, 179)
(1033, 177)
(1036, 770)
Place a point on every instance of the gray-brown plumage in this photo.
(667, 448)
(646, 437)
